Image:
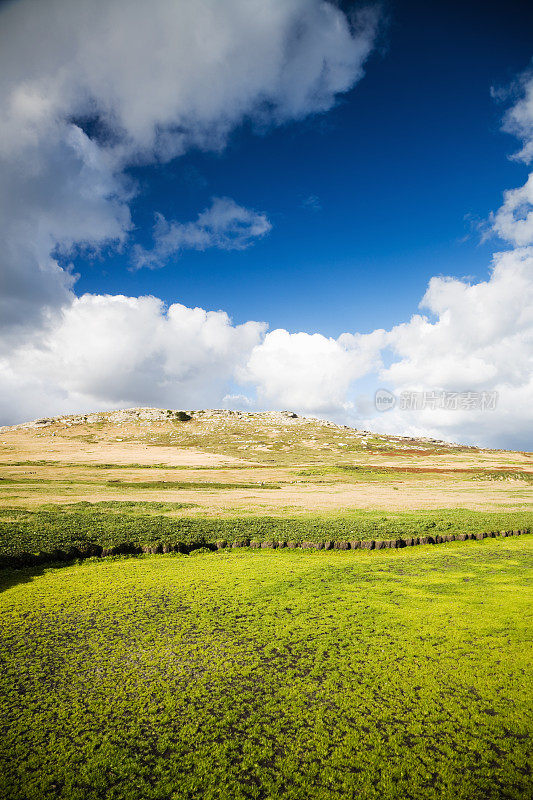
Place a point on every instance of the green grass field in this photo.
(271, 674)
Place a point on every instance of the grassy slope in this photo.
(282, 675)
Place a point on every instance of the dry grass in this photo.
(63, 463)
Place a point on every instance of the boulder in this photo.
(221, 544)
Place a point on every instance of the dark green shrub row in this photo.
(63, 528)
(92, 551)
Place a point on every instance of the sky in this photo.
(262, 204)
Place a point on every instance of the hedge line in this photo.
(82, 525)
(91, 551)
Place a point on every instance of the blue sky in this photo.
(269, 204)
(403, 170)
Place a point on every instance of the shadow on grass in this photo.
(12, 577)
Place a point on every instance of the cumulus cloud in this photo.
(310, 372)
(113, 351)
(513, 222)
(91, 87)
(481, 341)
(514, 219)
(518, 120)
(482, 332)
(224, 225)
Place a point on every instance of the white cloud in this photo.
(115, 351)
(149, 81)
(514, 220)
(482, 333)
(519, 118)
(310, 372)
(237, 401)
(482, 340)
(224, 225)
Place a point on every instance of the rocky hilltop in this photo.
(219, 423)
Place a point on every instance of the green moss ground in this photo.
(274, 674)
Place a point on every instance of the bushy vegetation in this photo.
(276, 674)
(110, 524)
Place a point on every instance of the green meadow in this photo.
(276, 674)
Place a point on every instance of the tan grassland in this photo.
(231, 462)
